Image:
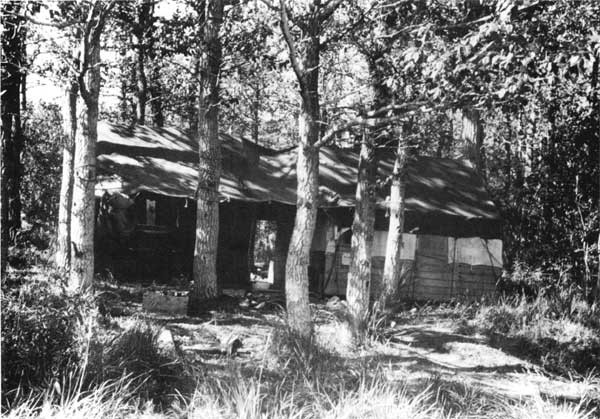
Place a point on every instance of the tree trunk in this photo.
(307, 172)
(156, 97)
(307, 165)
(472, 135)
(298, 259)
(392, 268)
(256, 114)
(209, 168)
(363, 228)
(84, 172)
(142, 83)
(192, 108)
(12, 139)
(597, 285)
(145, 11)
(63, 242)
(285, 226)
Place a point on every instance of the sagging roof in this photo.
(443, 196)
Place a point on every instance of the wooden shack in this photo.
(452, 239)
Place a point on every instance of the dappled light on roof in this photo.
(165, 161)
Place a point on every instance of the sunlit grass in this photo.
(235, 396)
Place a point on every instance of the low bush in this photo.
(43, 333)
(32, 246)
(136, 353)
(562, 337)
(298, 353)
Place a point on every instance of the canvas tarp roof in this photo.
(443, 196)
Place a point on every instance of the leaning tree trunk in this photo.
(392, 268)
(84, 176)
(209, 168)
(63, 241)
(12, 139)
(363, 228)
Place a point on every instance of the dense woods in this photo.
(509, 87)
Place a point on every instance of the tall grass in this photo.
(234, 396)
(562, 336)
(238, 393)
(107, 400)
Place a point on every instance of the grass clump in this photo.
(155, 373)
(563, 338)
(44, 329)
(110, 400)
(304, 357)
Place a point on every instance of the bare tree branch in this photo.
(328, 9)
(378, 118)
(285, 28)
(91, 36)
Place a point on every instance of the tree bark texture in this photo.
(392, 268)
(363, 229)
(209, 169)
(307, 172)
(285, 227)
(13, 48)
(84, 157)
(472, 135)
(156, 97)
(63, 240)
(298, 259)
(141, 27)
(142, 84)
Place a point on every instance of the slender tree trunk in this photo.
(256, 114)
(192, 105)
(142, 82)
(156, 97)
(63, 243)
(363, 227)
(123, 100)
(595, 100)
(12, 139)
(209, 168)
(392, 268)
(285, 226)
(597, 285)
(472, 135)
(84, 171)
(145, 11)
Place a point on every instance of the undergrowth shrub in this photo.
(43, 333)
(32, 246)
(502, 317)
(303, 356)
(155, 373)
(561, 336)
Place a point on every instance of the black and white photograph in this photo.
(298, 209)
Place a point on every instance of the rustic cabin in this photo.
(146, 216)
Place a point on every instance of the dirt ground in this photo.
(416, 346)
